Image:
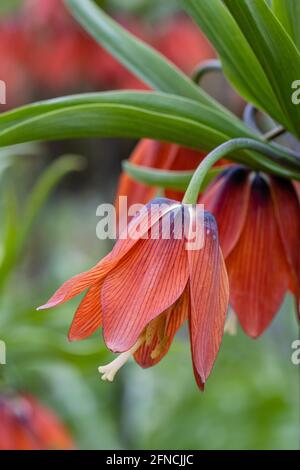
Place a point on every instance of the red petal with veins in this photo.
(227, 199)
(287, 211)
(161, 331)
(83, 281)
(88, 317)
(144, 284)
(209, 295)
(257, 268)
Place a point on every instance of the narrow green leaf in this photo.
(19, 228)
(135, 114)
(121, 114)
(288, 13)
(274, 49)
(42, 189)
(167, 179)
(239, 62)
(11, 225)
(141, 59)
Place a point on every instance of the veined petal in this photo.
(144, 284)
(144, 221)
(209, 294)
(287, 211)
(227, 199)
(88, 317)
(160, 332)
(79, 283)
(257, 268)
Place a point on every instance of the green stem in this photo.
(274, 133)
(194, 188)
(206, 67)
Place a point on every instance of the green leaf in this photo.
(167, 179)
(141, 59)
(42, 189)
(238, 60)
(135, 114)
(10, 222)
(122, 114)
(18, 228)
(274, 49)
(288, 13)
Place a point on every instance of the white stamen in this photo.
(109, 370)
(231, 323)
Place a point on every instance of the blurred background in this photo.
(48, 202)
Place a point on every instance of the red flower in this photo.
(259, 225)
(26, 424)
(144, 290)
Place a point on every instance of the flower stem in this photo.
(194, 188)
(205, 67)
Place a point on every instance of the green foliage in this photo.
(288, 13)
(18, 226)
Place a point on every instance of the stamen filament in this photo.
(109, 370)
(231, 323)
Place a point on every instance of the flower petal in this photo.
(88, 317)
(160, 332)
(287, 211)
(227, 199)
(209, 294)
(147, 217)
(258, 272)
(144, 284)
(79, 283)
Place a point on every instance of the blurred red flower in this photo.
(182, 42)
(44, 49)
(26, 424)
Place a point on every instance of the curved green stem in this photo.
(206, 67)
(194, 188)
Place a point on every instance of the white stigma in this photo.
(109, 370)
(231, 323)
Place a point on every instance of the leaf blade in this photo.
(239, 62)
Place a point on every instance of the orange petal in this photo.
(258, 272)
(209, 294)
(79, 283)
(144, 221)
(88, 317)
(144, 284)
(287, 211)
(161, 331)
(227, 199)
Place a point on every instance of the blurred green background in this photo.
(252, 397)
